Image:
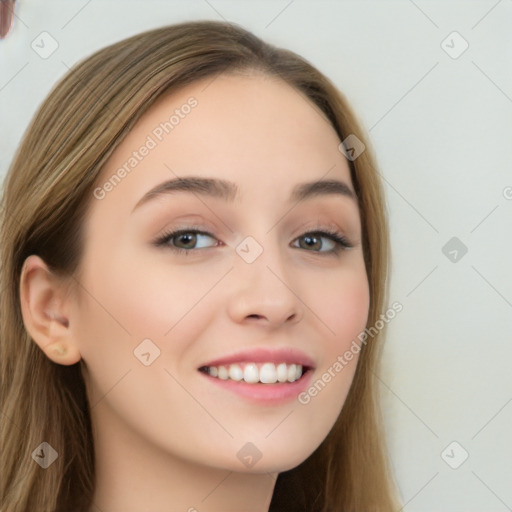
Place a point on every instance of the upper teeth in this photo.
(267, 373)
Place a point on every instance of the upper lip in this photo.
(264, 355)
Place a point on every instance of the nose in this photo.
(264, 293)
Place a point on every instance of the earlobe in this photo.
(62, 353)
(43, 308)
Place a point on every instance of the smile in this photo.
(253, 373)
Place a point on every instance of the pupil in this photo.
(190, 237)
(312, 241)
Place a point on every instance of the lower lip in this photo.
(265, 394)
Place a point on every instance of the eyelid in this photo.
(327, 230)
(163, 238)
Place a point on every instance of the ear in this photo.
(44, 309)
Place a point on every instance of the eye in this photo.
(189, 239)
(185, 240)
(315, 241)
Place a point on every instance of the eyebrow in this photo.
(228, 191)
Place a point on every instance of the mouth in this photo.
(265, 377)
(267, 384)
(257, 373)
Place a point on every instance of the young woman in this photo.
(193, 245)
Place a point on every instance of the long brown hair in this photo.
(46, 194)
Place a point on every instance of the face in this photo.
(254, 278)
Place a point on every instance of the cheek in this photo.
(342, 305)
(120, 309)
(343, 309)
(132, 301)
(350, 313)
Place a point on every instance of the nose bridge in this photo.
(263, 286)
(259, 260)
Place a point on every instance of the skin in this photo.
(163, 433)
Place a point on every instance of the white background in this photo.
(442, 132)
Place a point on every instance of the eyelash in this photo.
(342, 243)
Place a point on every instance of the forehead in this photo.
(252, 129)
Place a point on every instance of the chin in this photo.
(277, 461)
